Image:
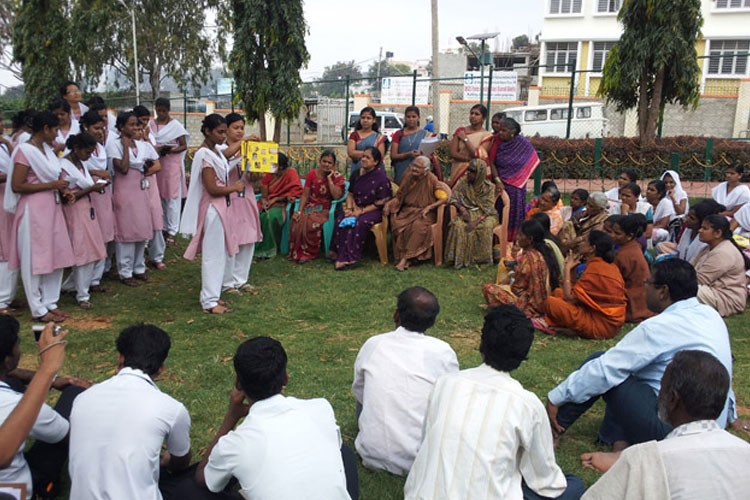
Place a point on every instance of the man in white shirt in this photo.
(628, 375)
(485, 436)
(286, 448)
(40, 467)
(697, 459)
(393, 376)
(118, 426)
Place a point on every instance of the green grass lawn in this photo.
(322, 317)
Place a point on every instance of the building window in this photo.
(724, 60)
(733, 4)
(561, 56)
(601, 49)
(565, 6)
(609, 6)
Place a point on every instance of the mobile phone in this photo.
(38, 329)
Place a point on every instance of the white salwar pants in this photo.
(8, 285)
(130, 258)
(156, 247)
(171, 208)
(42, 291)
(238, 267)
(213, 259)
(80, 280)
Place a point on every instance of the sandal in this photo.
(130, 282)
(9, 311)
(98, 289)
(233, 291)
(218, 309)
(142, 277)
(47, 318)
(169, 240)
(60, 313)
(222, 303)
(247, 287)
(85, 305)
(160, 265)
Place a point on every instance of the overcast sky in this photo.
(342, 30)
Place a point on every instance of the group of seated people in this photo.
(471, 433)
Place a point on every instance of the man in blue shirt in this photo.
(628, 376)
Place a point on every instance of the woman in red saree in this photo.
(277, 189)
(322, 186)
(595, 307)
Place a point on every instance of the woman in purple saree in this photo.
(512, 160)
(369, 190)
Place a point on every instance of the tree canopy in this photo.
(269, 50)
(8, 10)
(654, 62)
(333, 81)
(387, 69)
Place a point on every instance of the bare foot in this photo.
(600, 461)
(402, 265)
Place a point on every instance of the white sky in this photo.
(344, 30)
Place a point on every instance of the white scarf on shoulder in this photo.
(189, 222)
(46, 166)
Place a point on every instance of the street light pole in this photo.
(135, 53)
(481, 73)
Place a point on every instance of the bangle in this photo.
(53, 344)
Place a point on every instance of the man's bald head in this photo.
(417, 309)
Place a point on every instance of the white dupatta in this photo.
(4, 160)
(81, 180)
(189, 222)
(46, 166)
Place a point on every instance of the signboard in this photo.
(504, 85)
(398, 90)
(260, 156)
(224, 86)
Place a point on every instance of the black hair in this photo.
(547, 184)
(283, 161)
(631, 173)
(737, 167)
(23, 118)
(679, 275)
(633, 188)
(707, 207)
(162, 102)
(507, 335)
(534, 231)
(329, 152)
(376, 154)
(700, 381)
(44, 119)
(511, 124)
(141, 111)
(143, 347)
(370, 110)
(482, 109)
(411, 109)
(89, 118)
(9, 329)
(80, 141)
(59, 103)
(64, 87)
(661, 188)
(260, 364)
(210, 122)
(122, 119)
(417, 309)
(604, 247)
(498, 116)
(234, 117)
(720, 223)
(544, 220)
(96, 100)
(582, 194)
(553, 191)
(97, 106)
(633, 224)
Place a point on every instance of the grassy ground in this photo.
(322, 317)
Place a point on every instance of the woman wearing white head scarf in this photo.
(675, 193)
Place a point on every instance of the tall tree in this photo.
(333, 81)
(170, 36)
(269, 50)
(8, 10)
(654, 62)
(40, 45)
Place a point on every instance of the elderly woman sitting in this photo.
(412, 213)
(576, 231)
(470, 237)
(549, 202)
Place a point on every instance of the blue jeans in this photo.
(573, 492)
(631, 414)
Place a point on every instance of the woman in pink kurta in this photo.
(130, 199)
(8, 279)
(40, 245)
(206, 217)
(80, 217)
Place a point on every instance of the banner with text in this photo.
(504, 85)
(398, 90)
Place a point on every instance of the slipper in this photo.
(98, 289)
(85, 305)
(170, 241)
(233, 291)
(60, 313)
(542, 325)
(160, 265)
(247, 287)
(47, 318)
(8, 311)
(222, 303)
(130, 282)
(218, 309)
(141, 277)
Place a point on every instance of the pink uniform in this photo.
(130, 199)
(102, 201)
(243, 212)
(83, 228)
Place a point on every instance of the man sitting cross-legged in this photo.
(118, 426)
(697, 460)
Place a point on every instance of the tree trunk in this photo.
(643, 105)
(435, 68)
(277, 121)
(654, 109)
(154, 80)
(262, 125)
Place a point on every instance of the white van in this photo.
(552, 120)
(388, 121)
